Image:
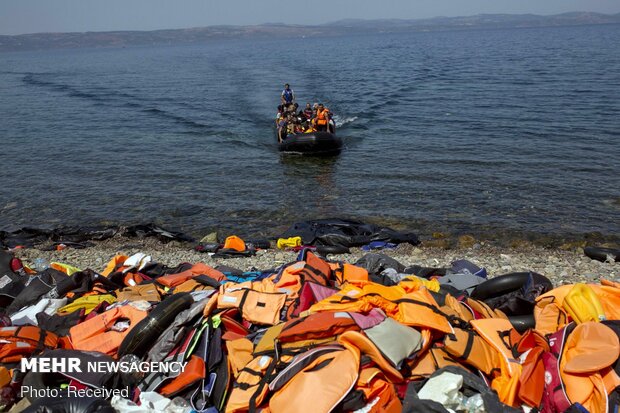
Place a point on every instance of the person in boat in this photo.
(290, 124)
(309, 127)
(280, 114)
(288, 96)
(307, 112)
(315, 107)
(321, 120)
(282, 128)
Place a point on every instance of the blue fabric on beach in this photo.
(378, 245)
(246, 276)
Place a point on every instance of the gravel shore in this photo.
(561, 266)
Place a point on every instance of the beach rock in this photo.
(466, 241)
(442, 243)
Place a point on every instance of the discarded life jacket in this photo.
(250, 386)
(349, 273)
(311, 294)
(194, 371)
(270, 346)
(315, 381)
(146, 292)
(582, 304)
(234, 243)
(551, 315)
(317, 326)
(172, 280)
(87, 303)
(579, 367)
(96, 334)
(430, 361)
(379, 393)
(292, 279)
(496, 332)
(469, 348)
(239, 354)
(366, 347)
(419, 309)
(255, 306)
(24, 341)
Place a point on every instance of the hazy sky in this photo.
(32, 16)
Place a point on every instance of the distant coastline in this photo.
(47, 41)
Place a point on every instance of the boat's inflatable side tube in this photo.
(144, 334)
(601, 254)
(507, 283)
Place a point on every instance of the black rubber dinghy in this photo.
(316, 143)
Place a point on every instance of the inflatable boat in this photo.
(314, 143)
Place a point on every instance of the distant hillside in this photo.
(43, 41)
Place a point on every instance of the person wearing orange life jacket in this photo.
(321, 120)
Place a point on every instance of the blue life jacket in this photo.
(288, 95)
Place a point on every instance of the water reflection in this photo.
(310, 184)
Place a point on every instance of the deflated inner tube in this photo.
(503, 284)
(332, 249)
(600, 253)
(522, 323)
(142, 337)
(41, 381)
(263, 244)
(70, 405)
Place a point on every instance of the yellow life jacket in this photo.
(88, 303)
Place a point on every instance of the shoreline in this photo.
(561, 266)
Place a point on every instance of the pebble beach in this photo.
(562, 265)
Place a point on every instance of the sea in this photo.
(497, 133)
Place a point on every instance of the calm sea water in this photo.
(483, 131)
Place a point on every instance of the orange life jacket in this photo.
(95, 334)
(379, 392)
(321, 116)
(584, 366)
(172, 280)
(23, 341)
(496, 332)
(239, 354)
(250, 386)
(349, 273)
(312, 269)
(468, 347)
(194, 371)
(320, 385)
(367, 347)
(255, 306)
(5, 376)
(317, 326)
(430, 361)
(235, 243)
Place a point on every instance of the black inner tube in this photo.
(143, 336)
(522, 323)
(601, 254)
(503, 284)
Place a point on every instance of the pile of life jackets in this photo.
(309, 336)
